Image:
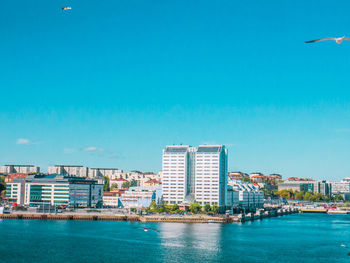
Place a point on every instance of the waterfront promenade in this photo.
(150, 218)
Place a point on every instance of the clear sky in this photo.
(110, 83)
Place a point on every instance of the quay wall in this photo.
(153, 218)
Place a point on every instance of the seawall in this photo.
(151, 218)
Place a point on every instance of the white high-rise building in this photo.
(195, 174)
(14, 168)
(176, 173)
(211, 175)
(74, 170)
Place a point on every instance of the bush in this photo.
(20, 208)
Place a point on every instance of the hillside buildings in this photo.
(72, 170)
(328, 188)
(111, 173)
(14, 168)
(191, 173)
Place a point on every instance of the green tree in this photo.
(338, 198)
(207, 208)
(2, 183)
(133, 183)
(246, 179)
(300, 195)
(195, 208)
(106, 187)
(215, 208)
(174, 207)
(126, 185)
(114, 186)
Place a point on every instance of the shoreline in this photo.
(240, 218)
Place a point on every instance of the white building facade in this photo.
(195, 174)
(211, 175)
(72, 170)
(176, 174)
(111, 173)
(14, 168)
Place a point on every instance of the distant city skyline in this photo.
(110, 85)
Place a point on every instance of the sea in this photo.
(291, 238)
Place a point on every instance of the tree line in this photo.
(307, 196)
(194, 208)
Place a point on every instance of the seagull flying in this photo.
(146, 229)
(66, 8)
(338, 40)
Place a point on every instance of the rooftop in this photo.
(209, 148)
(176, 149)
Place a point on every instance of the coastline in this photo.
(152, 218)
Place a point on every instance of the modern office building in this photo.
(72, 170)
(14, 168)
(35, 190)
(195, 174)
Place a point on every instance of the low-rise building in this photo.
(232, 201)
(117, 183)
(9, 178)
(237, 175)
(152, 182)
(111, 199)
(257, 177)
(274, 178)
(249, 195)
(141, 196)
(341, 188)
(295, 184)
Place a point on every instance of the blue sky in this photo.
(110, 83)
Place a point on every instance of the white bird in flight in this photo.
(338, 40)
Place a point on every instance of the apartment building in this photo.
(15, 168)
(111, 173)
(71, 170)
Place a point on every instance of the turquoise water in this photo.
(293, 238)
